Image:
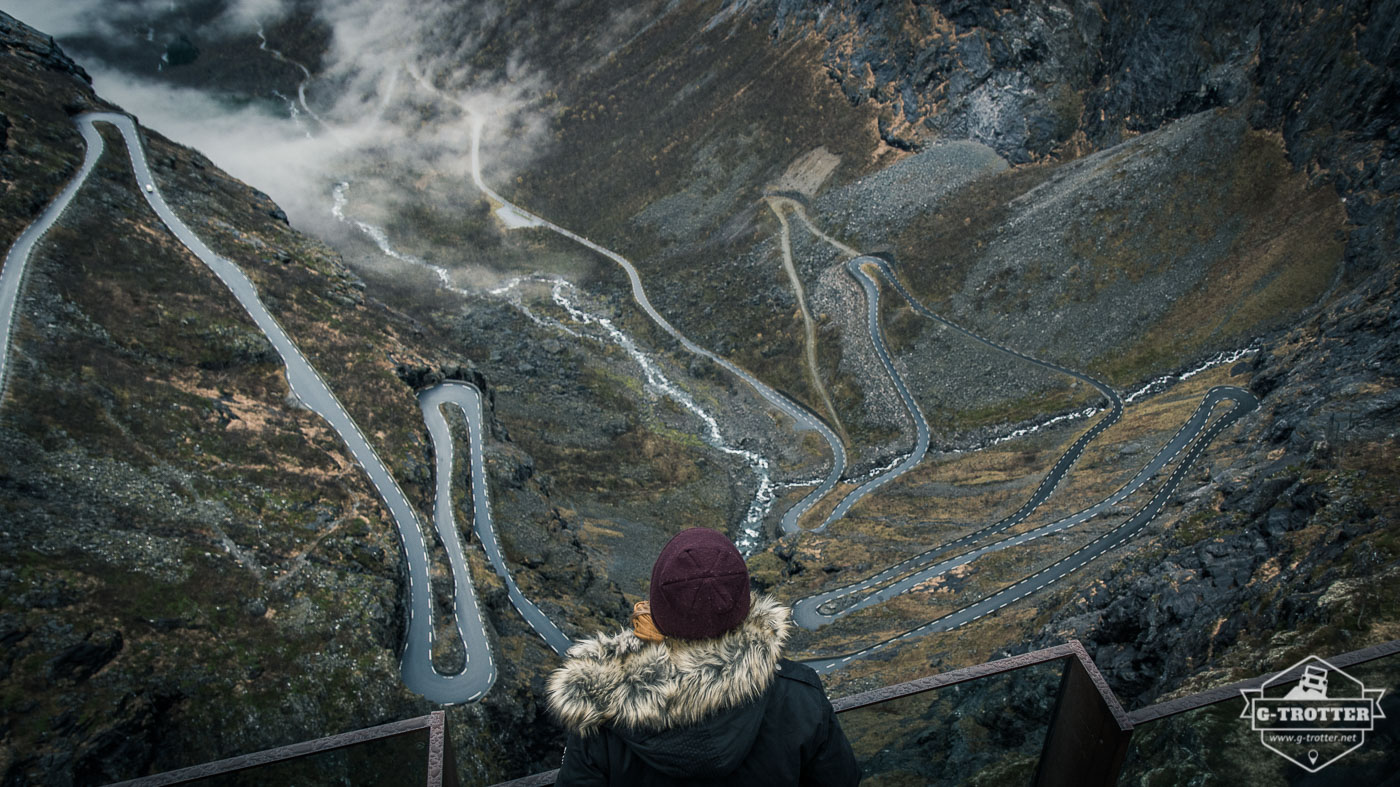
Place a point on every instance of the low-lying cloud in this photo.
(373, 114)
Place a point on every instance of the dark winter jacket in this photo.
(723, 711)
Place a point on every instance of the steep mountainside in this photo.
(192, 567)
(1166, 199)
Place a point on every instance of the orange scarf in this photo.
(642, 625)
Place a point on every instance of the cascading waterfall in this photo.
(294, 113)
(567, 296)
(301, 86)
(1088, 412)
(659, 383)
(1159, 384)
(381, 239)
(511, 292)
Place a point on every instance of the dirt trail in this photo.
(801, 212)
(775, 204)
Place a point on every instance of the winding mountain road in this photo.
(817, 610)
(515, 216)
(856, 268)
(418, 672)
(897, 579)
(17, 259)
(479, 672)
(467, 398)
(1242, 403)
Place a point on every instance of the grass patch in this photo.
(1293, 234)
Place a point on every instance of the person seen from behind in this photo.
(697, 692)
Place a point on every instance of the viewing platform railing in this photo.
(1044, 718)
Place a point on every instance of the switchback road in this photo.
(17, 260)
(514, 216)
(817, 610)
(419, 674)
(467, 399)
(1241, 403)
(856, 268)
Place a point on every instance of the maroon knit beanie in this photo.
(699, 586)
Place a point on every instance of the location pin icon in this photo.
(1312, 756)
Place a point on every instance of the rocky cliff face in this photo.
(1040, 80)
(1287, 546)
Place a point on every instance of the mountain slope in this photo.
(193, 565)
(1128, 188)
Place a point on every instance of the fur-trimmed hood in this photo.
(622, 681)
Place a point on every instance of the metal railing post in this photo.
(442, 763)
(1089, 730)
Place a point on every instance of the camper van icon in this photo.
(1316, 722)
(1312, 686)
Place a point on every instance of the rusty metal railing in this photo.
(1088, 734)
(441, 766)
(1089, 731)
(1231, 691)
(1086, 740)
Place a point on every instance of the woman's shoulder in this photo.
(799, 672)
